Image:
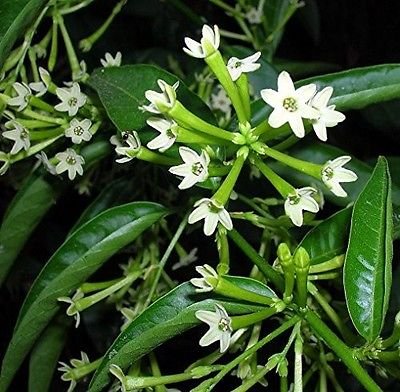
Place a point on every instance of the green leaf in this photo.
(78, 258)
(122, 92)
(28, 207)
(321, 153)
(329, 238)
(265, 77)
(169, 316)
(353, 89)
(45, 354)
(15, 17)
(367, 273)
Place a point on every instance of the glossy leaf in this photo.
(15, 17)
(30, 204)
(367, 273)
(169, 316)
(329, 238)
(122, 92)
(77, 259)
(45, 354)
(353, 89)
(321, 153)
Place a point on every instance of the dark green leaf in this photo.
(329, 238)
(122, 92)
(15, 17)
(30, 204)
(45, 354)
(169, 316)
(321, 153)
(79, 257)
(300, 69)
(367, 273)
(353, 89)
(264, 77)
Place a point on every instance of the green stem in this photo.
(40, 104)
(225, 190)
(54, 46)
(246, 320)
(217, 65)
(333, 316)
(329, 265)
(30, 113)
(164, 259)
(185, 117)
(147, 155)
(312, 169)
(83, 371)
(187, 136)
(342, 351)
(87, 43)
(88, 287)
(259, 261)
(389, 356)
(243, 87)
(223, 251)
(231, 365)
(72, 58)
(298, 366)
(155, 369)
(282, 186)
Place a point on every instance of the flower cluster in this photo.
(301, 108)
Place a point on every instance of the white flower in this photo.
(22, 98)
(212, 213)
(237, 66)
(71, 99)
(208, 44)
(195, 168)
(290, 105)
(328, 116)
(208, 281)
(129, 148)
(111, 61)
(167, 135)
(186, 259)
(220, 327)
(69, 161)
(20, 136)
(42, 159)
(333, 173)
(40, 88)
(72, 310)
(298, 201)
(79, 130)
(221, 101)
(161, 102)
(69, 375)
(254, 15)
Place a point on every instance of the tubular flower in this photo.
(236, 66)
(301, 199)
(161, 102)
(333, 173)
(209, 43)
(167, 135)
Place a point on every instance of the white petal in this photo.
(285, 84)
(188, 155)
(271, 97)
(224, 341)
(199, 213)
(322, 98)
(296, 123)
(304, 93)
(225, 219)
(320, 130)
(212, 335)
(294, 212)
(188, 182)
(210, 318)
(210, 223)
(277, 118)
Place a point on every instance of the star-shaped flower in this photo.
(72, 310)
(129, 146)
(69, 161)
(71, 99)
(111, 61)
(42, 159)
(40, 88)
(221, 101)
(78, 131)
(290, 105)
(161, 102)
(22, 98)
(209, 43)
(20, 136)
(195, 168)
(238, 66)
(333, 173)
(328, 116)
(208, 281)
(167, 135)
(68, 374)
(220, 327)
(254, 15)
(298, 201)
(212, 213)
